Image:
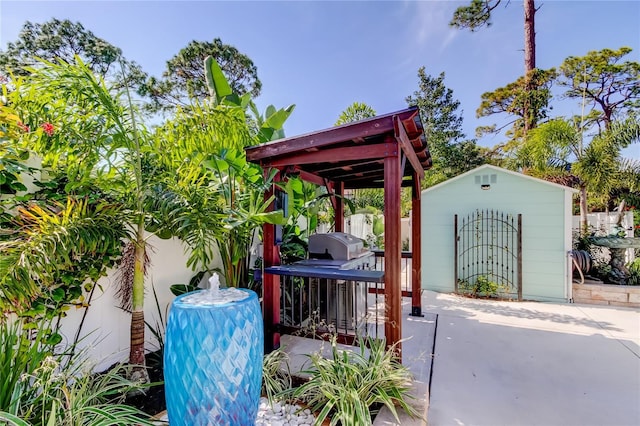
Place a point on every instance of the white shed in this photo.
(492, 225)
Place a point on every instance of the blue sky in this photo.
(322, 56)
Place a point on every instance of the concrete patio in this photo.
(527, 363)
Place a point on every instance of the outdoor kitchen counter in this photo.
(330, 273)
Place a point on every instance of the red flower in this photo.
(23, 127)
(48, 128)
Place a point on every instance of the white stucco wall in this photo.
(105, 332)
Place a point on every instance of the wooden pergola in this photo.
(387, 151)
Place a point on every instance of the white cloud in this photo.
(426, 31)
(430, 20)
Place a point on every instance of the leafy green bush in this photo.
(634, 272)
(40, 387)
(486, 287)
(21, 353)
(276, 381)
(351, 386)
(482, 286)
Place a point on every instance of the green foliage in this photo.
(355, 112)
(180, 289)
(634, 272)
(92, 139)
(88, 131)
(21, 354)
(452, 155)
(270, 125)
(600, 78)
(527, 98)
(601, 270)
(368, 198)
(581, 241)
(348, 387)
(218, 198)
(550, 145)
(475, 15)
(303, 219)
(482, 286)
(556, 150)
(55, 254)
(40, 387)
(276, 377)
(183, 81)
(12, 159)
(308, 206)
(242, 186)
(62, 40)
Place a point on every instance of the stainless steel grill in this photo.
(339, 302)
(338, 250)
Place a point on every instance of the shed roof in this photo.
(500, 169)
(352, 153)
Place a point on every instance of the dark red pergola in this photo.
(387, 151)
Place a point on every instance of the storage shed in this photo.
(492, 225)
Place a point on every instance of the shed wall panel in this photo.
(544, 242)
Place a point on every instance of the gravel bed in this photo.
(283, 414)
(276, 415)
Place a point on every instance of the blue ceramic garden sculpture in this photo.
(213, 358)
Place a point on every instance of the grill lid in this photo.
(336, 246)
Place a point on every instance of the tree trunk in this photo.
(529, 36)
(529, 62)
(584, 224)
(136, 350)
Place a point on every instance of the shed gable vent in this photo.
(486, 179)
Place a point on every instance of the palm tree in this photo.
(94, 137)
(555, 150)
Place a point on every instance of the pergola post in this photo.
(339, 213)
(416, 246)
(392, 249)
(270, 283)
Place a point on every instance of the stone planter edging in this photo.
(607, 294)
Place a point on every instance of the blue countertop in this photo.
(330, 273)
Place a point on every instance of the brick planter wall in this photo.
(607, 294)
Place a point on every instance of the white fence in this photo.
(602, 224)
(361, 225)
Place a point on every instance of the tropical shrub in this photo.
(21, 354)
(350, 387)
(482, 286)
(276, 377)
(54, 254)
(634, 272)
(41, 387)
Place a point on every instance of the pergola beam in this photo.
(358, 131)
(333, 155)
(407, 147)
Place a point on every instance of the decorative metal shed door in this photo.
(488, 254)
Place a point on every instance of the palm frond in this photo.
(52, 238)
